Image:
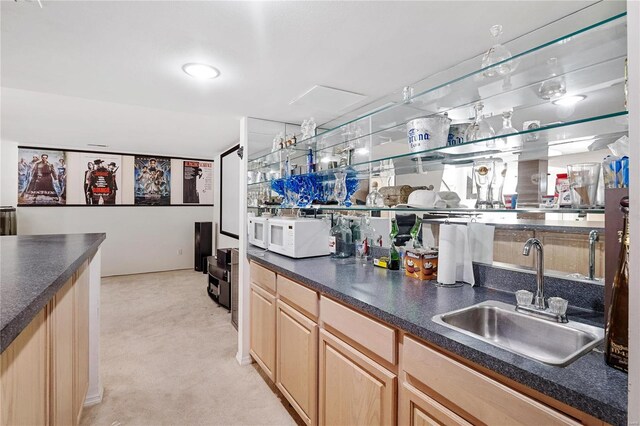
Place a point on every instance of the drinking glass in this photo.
(583, 181)
(497, 184)
(483, 175)
(340, 188)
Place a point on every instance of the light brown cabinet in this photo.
(418, 409)
(337, 366)
(45, 370)
(24, 376)
(62, 354)
(263, 330)
(297, 361)
(474, 396)
(354, 390)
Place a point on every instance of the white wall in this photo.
(139, 239)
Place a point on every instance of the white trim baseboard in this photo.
(94, 399)
(247, 360)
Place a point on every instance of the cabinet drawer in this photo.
(483, 398)
(417, 409)
(377, 337)
(298, 295)
(263, 277)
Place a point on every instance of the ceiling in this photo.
(110, 73)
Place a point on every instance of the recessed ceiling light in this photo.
(201, 71)
(569, 100)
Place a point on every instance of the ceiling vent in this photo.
(327, 99)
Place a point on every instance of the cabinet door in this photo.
(418, 409)
(354, 390)
(263, 330)
(62, 355)
(297, 366)
(81, 329)
(24, 387)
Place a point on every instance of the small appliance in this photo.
(298, 237)
(259, 231)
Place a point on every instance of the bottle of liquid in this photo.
(394, 255)
(415, 230)
(365, 241)
(340, 240)
(617, 332)
(375, 198)
(311, 167)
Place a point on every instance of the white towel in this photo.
(454, 255)
(481, 242)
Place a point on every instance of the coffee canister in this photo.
(426, 133)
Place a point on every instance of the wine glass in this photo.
(507, 129)
(555, 86)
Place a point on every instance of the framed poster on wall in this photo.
(197, 182)
(152, 181)
(100, 176)
(230, 193)
(42, 177)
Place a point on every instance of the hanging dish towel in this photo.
(454, 255)
(481, 242)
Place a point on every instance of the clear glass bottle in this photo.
(497, 53)
(365, 242)
(507, 128)
(617, 331)
(415, 230)
(394, 255)
(374, 198)
(340, 239)
(480, 128)
(555, 86)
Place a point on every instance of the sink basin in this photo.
(499, 324)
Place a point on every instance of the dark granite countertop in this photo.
(587, 384)
(32, 269)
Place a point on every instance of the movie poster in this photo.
(42, 177)
(197, 182)
(152, 181)
(101, 176)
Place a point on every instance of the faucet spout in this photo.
(539, 297)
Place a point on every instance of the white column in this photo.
(633, 47)
(242, 355)
(94, 392)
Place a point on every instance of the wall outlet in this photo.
(180, 251)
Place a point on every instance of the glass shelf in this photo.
(589, 134)
(444, 211)
(591, 62)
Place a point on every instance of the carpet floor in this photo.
(168, 358)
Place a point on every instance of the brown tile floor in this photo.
(168, 358)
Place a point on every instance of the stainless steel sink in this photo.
(499, 324)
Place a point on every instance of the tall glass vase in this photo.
(340, 188)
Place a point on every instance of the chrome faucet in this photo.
(538, 300)
(593, 239)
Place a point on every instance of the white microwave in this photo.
(259, 231)
(299, 237)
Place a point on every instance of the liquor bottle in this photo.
(617, 332)
(415, 230)
(374, 198)
(394, 255)
(365, 241)
(340, 240)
